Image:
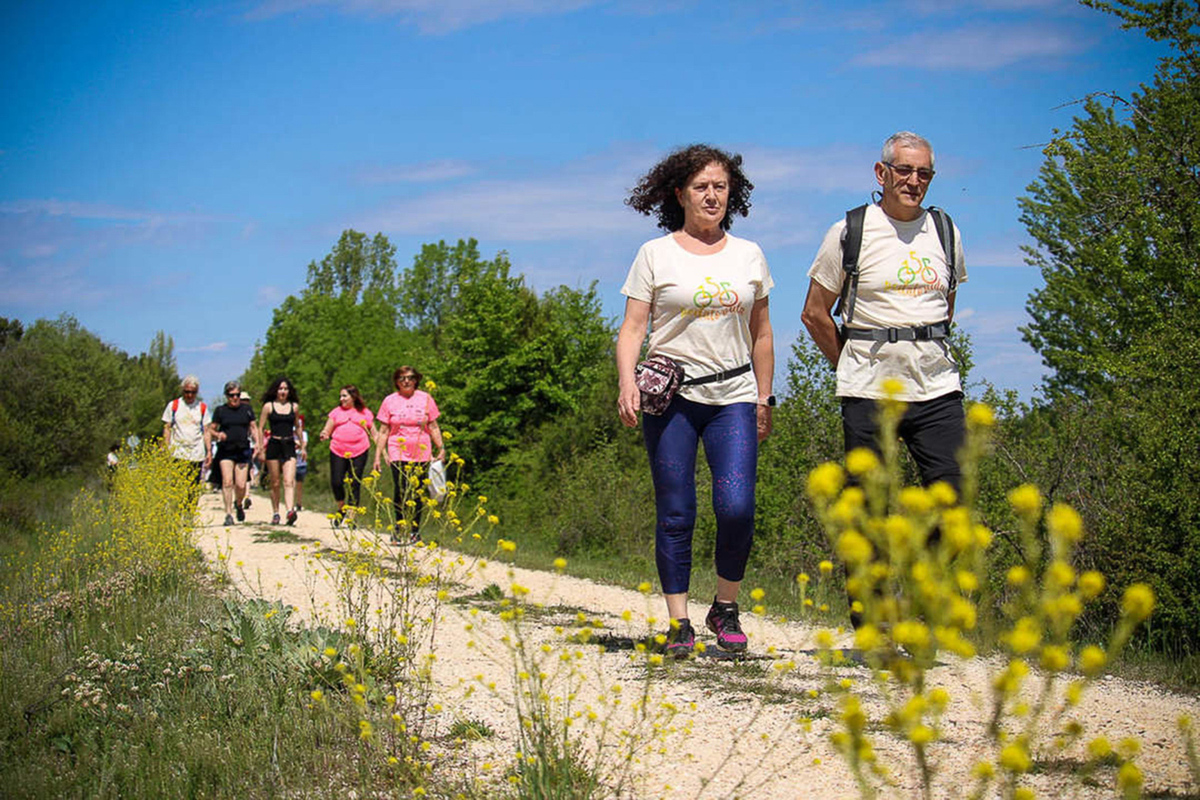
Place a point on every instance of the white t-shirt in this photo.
(187, 430)
(903, 282)
(700, 310)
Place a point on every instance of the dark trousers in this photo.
(340, 468)
(399, 482)
(933, 430)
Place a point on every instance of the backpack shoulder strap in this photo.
(851, 245)
(945, 232)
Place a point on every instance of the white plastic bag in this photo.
(437, 479)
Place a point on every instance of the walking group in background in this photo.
(702, 295)
(230, 438)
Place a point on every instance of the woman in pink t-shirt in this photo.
(410, 436)
(349, 429)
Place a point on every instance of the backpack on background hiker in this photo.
(175, 407)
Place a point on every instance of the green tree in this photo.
(357, 267)
(64, 397)
(156, 377)
(343, 328)
(429, 294)
(1116, 214)
(514, 360)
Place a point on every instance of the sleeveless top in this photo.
(283, 426)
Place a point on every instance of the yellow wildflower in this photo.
(854, 548)
(861, 460)
(1138, 602)
(1065, 523)
(1026, 500)
(980, 415)
(1091, 584)
(825, 481)
(1014, 758)
(1091, 660)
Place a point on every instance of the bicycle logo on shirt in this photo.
(710, 290)
(913, 266)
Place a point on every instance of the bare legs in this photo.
(233, 483)
(286, 469)
(727, 592)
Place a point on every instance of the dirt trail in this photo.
(743, 736)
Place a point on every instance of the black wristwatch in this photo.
(770, 401)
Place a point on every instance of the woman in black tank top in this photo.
(279, 422)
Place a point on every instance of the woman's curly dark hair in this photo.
(273, 389)
(655, 192)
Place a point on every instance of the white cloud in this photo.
(212, 347)
(426, 172)
(979, 48)
(429, 16)
(825, 169)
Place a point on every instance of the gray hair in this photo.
(189, 380)
(233, 386)
(905, 139)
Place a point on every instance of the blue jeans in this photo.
(730, 437)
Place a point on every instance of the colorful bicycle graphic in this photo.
(722, 293)
(915, 265)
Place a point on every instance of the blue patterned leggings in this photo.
(731, 447)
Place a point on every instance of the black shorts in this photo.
(280, 449)
(934, 431)
(238, 454)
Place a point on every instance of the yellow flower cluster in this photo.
(915, 559)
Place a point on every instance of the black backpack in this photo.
(852, 243)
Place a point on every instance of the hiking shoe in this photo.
(241, 512)
(274, 519)
(723, 621)
(681, 641)
(228, 520)
(291, 517)
(246, 502)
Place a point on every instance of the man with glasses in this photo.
(897, 288)
(184, 421)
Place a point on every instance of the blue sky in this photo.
(176, 166)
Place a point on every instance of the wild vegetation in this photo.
(126, 673)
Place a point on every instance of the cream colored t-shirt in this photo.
(187, 428)
(700, 310)
(903, 282)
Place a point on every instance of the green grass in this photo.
(130, 688)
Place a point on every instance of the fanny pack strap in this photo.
(718, 376)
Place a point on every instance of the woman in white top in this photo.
(703, 293)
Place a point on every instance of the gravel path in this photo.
(743, 728)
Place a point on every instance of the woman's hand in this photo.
(764, 421)
(629, 403)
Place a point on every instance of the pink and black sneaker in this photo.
(723, 621)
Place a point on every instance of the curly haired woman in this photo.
(703, 293)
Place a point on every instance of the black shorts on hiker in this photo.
(238, 454)
(933, 430)
(280, 449)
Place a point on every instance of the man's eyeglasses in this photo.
(238, 395)
(924, 174)
(189, 391)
